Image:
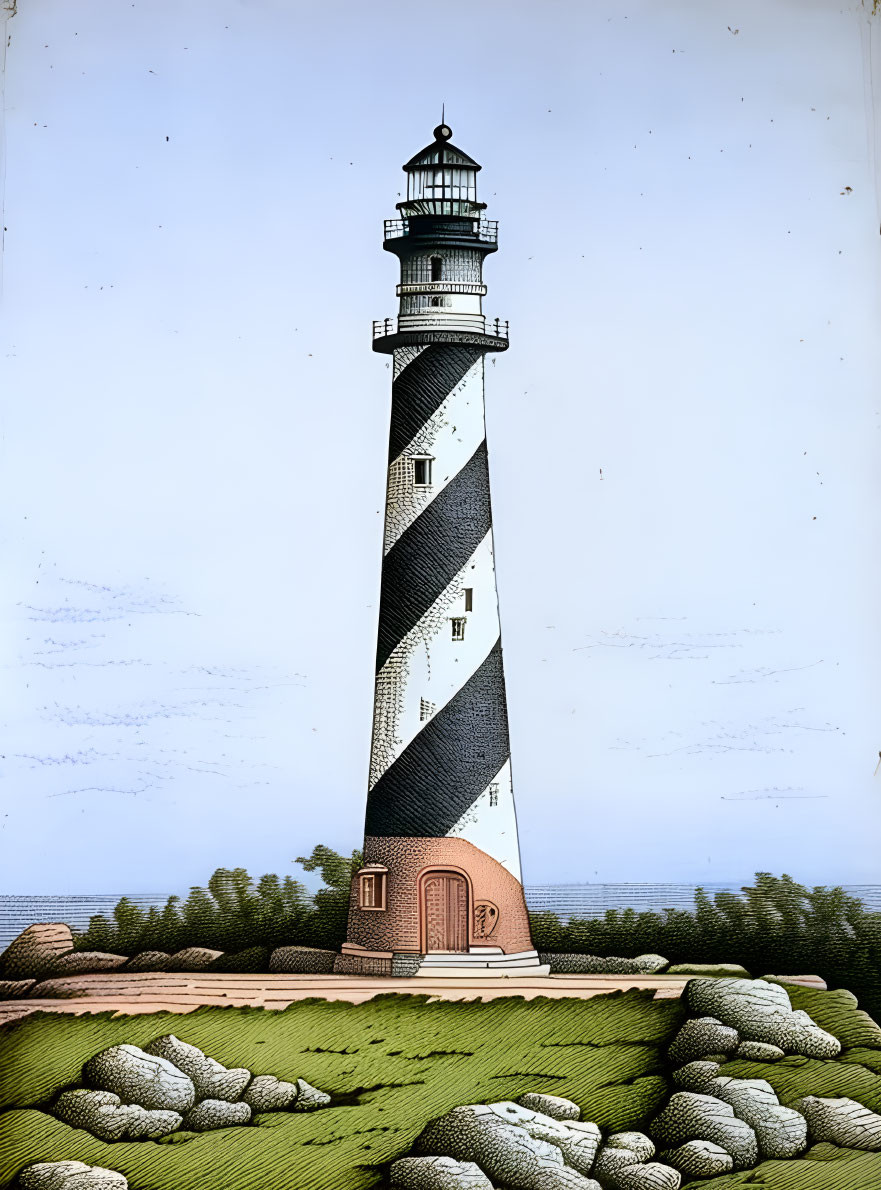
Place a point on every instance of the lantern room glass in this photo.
(442, 182)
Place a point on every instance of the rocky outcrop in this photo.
(309, 1098)
(302, 960)
(841, 1122)
(437, 1173)
(105, 1116)
(87, 962)
(758, 1051)
(192, 958)
(696, 1076)
(504, 1151)
(551, 1105)
(266, 1093)
(690, 1116)
(761, 1011)
(699, 1159)
(70, 1175)
(780, 1131)
(577, 1141)
(210, 1079)
(35, 950)
(701, 1037)
(211, 1114)
(138, 1077)
(148, 960)
(625, 1163)
(591, 964)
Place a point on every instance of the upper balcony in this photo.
(417, 330)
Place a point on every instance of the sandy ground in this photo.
(162, 992)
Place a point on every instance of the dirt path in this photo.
(161, 992)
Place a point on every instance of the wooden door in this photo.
(445, 912)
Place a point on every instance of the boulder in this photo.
(577, 1141)
(148, 960)
(210, 1114)
(699, 1159)
(137, 1077)
(505, 1152)
(87, 962)
(700, 1037)
(437, 1173)
(635, 1142)
(696, 1076)
(780, 1131)
(591, 964)
(841, 1122)
(302, 960)
(192, 958)
(565, 1178)
(689, 1116)
(70, 1175)
(758, 1051)
(254, 960)
(211, 1080)
(651, 1176)
(710, 970)
(11, 988)
(309, 1098)
(102, 1114)
(761, 1011)
(551, 1105)
(35, 950)
(265, 1092)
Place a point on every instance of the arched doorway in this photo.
(444, 911)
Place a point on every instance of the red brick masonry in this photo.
(397, 928)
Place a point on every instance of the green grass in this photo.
(392, 1064)
(396, 1062)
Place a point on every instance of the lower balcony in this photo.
(415, 330)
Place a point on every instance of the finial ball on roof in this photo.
(443, 132)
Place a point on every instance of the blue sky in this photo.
(683, 435)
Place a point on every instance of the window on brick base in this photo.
(371, 889)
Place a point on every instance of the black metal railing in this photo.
(487, 230)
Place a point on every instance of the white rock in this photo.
(650, 1176)
(551, 1105)
(309, 1098)
(265, 1093)
(70, 1175)
(761, 1011)
(102, 1114)
(696, 1076)
(138, 1077)
(577, 1140)
(689, 1116)
(504, 1151)
(780, 1131)
(211, 1114)
(209, 1077)
(842, 1122)
(758, 1051)
(437, 1173)
(636, 1142)
(702, 1036)
(699, 1159)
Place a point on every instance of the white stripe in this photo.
(490, 823)
(429, 664)
(450, 437)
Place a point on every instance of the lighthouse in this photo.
(440, 891)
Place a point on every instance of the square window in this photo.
(458, 623)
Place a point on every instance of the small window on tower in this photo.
(494, 793)
(371, 889)
(469, 599)
(422, 472)
(426, 709)
(458, 623)
(436, 265)
(436, 301)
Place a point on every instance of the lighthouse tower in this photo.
(440, 890)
